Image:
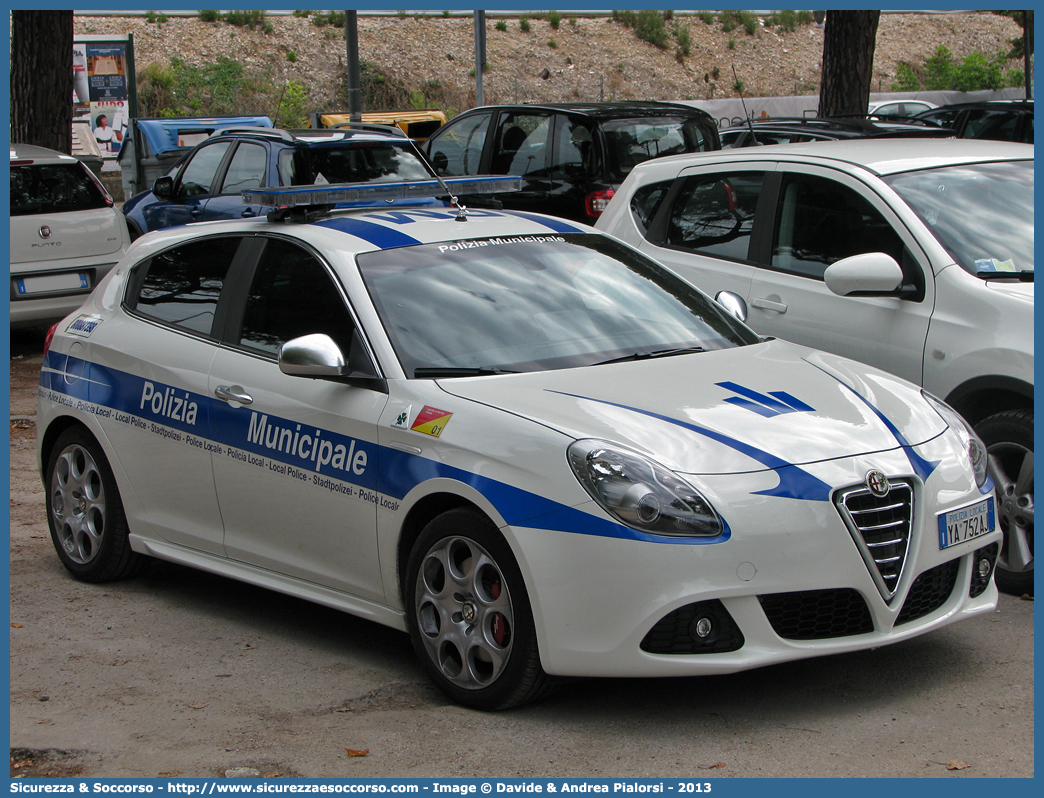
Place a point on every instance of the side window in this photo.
(947, 118)
(293, 295)
(521, 145)
(574, 149)
(714, 214)
(247, 169)
(820, 221)
(197, 178)
(646, 201)
(457, 149)
(991, 125)
(1026, 135)
(182, 285)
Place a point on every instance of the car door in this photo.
(295, 479)
(705, 227)
(192, 189)
(821, 216)
(456, 150)
(246, 170)
(522, 146)
(158, 367)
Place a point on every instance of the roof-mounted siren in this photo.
(306, 203)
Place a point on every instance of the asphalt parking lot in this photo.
(181, 673)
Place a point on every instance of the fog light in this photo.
(703, 627)
(984, 568)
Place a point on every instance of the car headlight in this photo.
(976, 449)
(642, 494)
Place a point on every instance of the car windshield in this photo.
(358, 162)
(631, 141)
(535, 303)
(982, 214)
(53, 188)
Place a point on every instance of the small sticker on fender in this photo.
(431, 421)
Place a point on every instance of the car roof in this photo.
(880, 156)
(1024, 105)
(606, 110)
(858, 125)
(313, 136)
(25, 152)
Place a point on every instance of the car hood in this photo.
(79, 234)
(1022, 291)
(739, 410)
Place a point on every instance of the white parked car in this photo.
(524, 442)
(913, 256)
(66, 234)
(900, 107)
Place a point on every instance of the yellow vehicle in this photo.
(418, 125)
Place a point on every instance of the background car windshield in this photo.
(362, 162)
(632, 141)
(981, 213)
(53, 188)
(532, 303)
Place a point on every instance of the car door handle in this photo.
(233, 393)
(249, 212)
(767, 304)
(195, 212)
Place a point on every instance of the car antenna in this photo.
(462, 211)
(750, 122)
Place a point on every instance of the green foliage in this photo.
(732, 43)
(247, 19)
(501, 25)
(805, 17)
(572, 22)
(334, 19)
(210, 16)
(729, 21)
(706, 17)
(152, 18)
(1018, 47)
(738, 86)
(554, 19)
(749, 21)
(626, 18)
(291, 56)
(292, 108)
(552, 43)
(941, 72)
(1015, 78)
(651, 28)
(524, 25)
(213, 89)
(684, 40)
(445, 13)
(784, 20)
(302, 14)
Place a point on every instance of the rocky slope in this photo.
(586, 58)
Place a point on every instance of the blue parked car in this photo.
(207, 183)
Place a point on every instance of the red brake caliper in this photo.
(499, 624)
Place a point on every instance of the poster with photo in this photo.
(103, 89)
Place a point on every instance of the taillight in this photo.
(596, 202)
(49, 337)
(108, 200)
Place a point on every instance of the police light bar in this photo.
(296, 196)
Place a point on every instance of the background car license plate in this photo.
(45, 283)
(966, 523)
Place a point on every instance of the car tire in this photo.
(469, 615)
(84, 511)
(1009, 441)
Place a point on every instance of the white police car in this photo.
(515, 437)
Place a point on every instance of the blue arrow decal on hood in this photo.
(794, 482)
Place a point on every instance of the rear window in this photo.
(53, 188)
(631, 141)
(363, 162)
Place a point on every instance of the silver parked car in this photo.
(66, 234)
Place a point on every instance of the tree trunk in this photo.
(848, 62)
(42, 78)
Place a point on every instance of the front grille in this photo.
(817, 614)
(675, 633)
(979, 583)
(929, 592)
(880, 527)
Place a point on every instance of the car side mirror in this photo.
(318, 356)
(869, 274)
(163, 187)
(733, 303)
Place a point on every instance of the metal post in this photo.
(480, 54)
(351, 36)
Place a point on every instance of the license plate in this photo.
(966, 523)
(46, 283)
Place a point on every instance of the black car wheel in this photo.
(1009, 441)
(469, 616)
(84, 512)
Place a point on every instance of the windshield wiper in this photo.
(678, 350)
(1025, 276)
(436, 372)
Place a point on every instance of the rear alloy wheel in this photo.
(469, 614)
(1009, 442)
(84, 511)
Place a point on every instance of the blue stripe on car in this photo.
(558, 225)
(376, 234)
